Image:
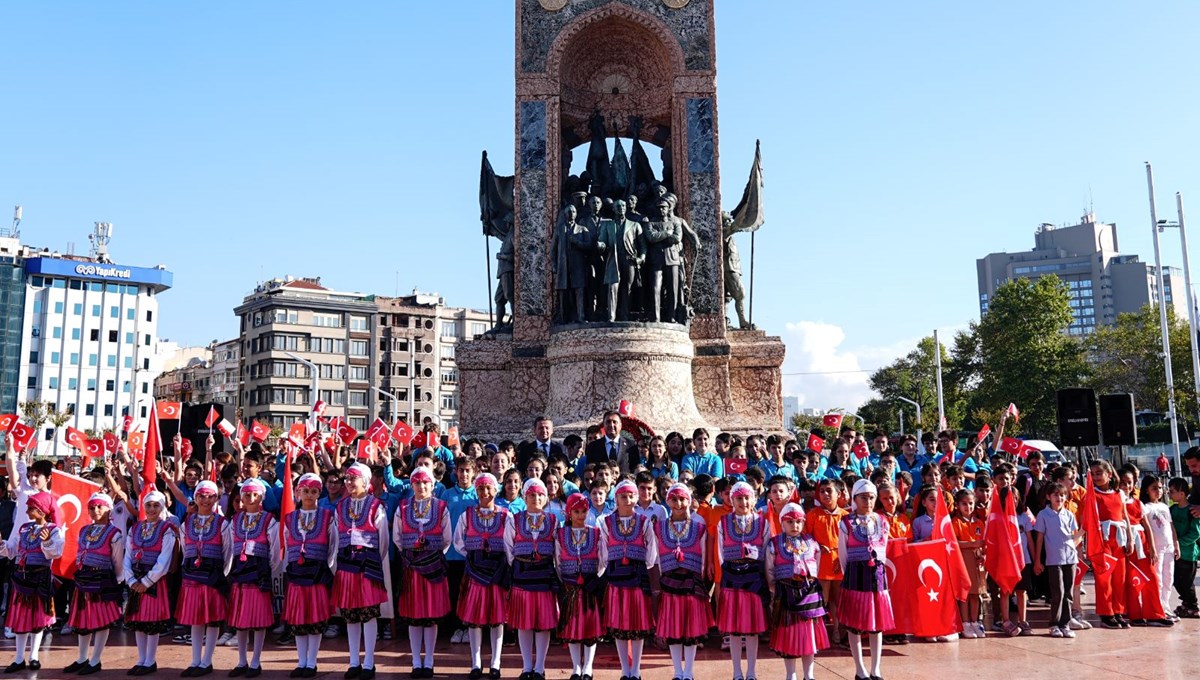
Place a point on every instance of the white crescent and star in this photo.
(70, 499)
(930, 564)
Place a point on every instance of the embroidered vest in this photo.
(94, 548)
(525, 543)
(313, 543)
(476, 535)
(733, 546)
(866, 536)
(789, 555)
(250, 535)
(680, 551)
(623, 546)
(364, 522)
(203, 541)
(417, 535)
(582, 557)
(29, 548)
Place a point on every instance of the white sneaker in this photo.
(8, 634)
(1078, 623)
(331, 631)
(228, 639)
(1056, 632)
(724, 643)
(459, 637)
(968, 631)
(67, 629)
(1068, 633)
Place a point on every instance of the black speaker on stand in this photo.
(1117, 423)
(1077, 422)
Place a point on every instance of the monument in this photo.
(616, 278)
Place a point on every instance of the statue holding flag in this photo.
(746, 217)
(496, 214)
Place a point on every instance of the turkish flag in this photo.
(625, 408)
(243, 435)
(1081, 570)
(7, 421)
(815, 443)
(928, 566)
(168, 410)
(287, 503)
(983, 433)
(212, 416)
(430, 439)
(1138, 580)
(364, 448)
(297, 432)
(1012, 411)
(93, 449)
(861, 451)
(76, 438)
(185, 449)
(900, 584)
(1002, 557)
(1025, 450)
(313, 441)
(72, 494)
(319, 408)
(956, 570)
(402, 432)
(331, 444)
(832, 420)
(452, 437)
(736, 466)
(259, 432)
(1093, 538)
(226, 428)
(346, 433)
(1010, 445)
(22, 436)
(112, 443)
(378, 433)
(126, 423)
(137, 441)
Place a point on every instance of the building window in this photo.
(333, 397)
(114, 312)
(358, 348)
(112, 336)
(359, 323)
(447, 352)
(358, 373)
(358, 398)
(31, 383)
(449, 401)
(96, 310)
(53, 383)
(112, 360)
(89, 410)
(358, 422)
(149, 315)
(74, 358)
(108, 410)
(478, 328)
(327, 320)
(55, 357)
(449, 377)
(72, 384)
(449, 329)
(93, 360)
(56, 332)
(91, 385)
(128, 362)
(77, 309)
(33, 357)
(131, 314)
(285, 316)
(110, 385)
(76, 333)
(146, 342)
(58, 307)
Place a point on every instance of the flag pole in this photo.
(487, 246)
(752, 235)
(937, 353)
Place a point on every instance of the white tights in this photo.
(366, 634)
(856, 651)
(418, 637)
(96, 641)
(736, 644)
(475, 638)
(243, 643)
(147, 646)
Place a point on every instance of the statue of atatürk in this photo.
(747, 216)
(663, 236)
(504, 272)
(591, 221)
(570, 263)
(496, 214)
(623, 247)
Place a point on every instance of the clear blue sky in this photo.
(236, 141)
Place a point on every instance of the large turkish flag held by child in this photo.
(1003, 557)
(71, 496)
(928, 570)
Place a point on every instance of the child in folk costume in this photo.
(866, 607)
(1142, 584)
(362, 582)
(793, 561)
(96, 602)
(202, 602)
(421, 531)
(631, 551)
(578, 558)
(483, 603)
(149, 549)
(252, 558)
(532, 603)
(310, 544)
(1114, 530)
(684, 615)
(741, 610)
(32, 547)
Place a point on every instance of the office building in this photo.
(1101, 282)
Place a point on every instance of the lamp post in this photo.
(1191, 300)
(918, 407)
(391, 396)
(1162, 319)
(312, 368)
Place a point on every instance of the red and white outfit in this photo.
(792, 564)
(632, 551)
(741, 608)
(421, 531)
(149, 548)
(580, 555)
(362, 582)
(1142, 579)
(1114, 528)
(479, 537)
(310, 543)
(205, 547)
(99, 557)
(252, 559)
(864, 605)
(31, 596)
(529, 545)
(684, 614)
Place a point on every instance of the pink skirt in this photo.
(152, 608)
(580, 618)
(89, 615)
(423, 600)
(740, 613)
(199, 605)
(482, 606)
(27, 614)
(685, 618)
(627, 612)
(306, 605)
(864, 611)
(528, 610)
(250, 607)
(803, 638)
(356, 591)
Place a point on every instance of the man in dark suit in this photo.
(542, 442)
(611, 447)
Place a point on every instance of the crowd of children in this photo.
(757, 538)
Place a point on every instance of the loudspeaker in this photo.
(1117, 423)
(1077, 423)
(192, 428)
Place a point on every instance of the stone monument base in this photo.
(675, 382)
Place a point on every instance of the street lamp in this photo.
(1191, 294)
(312, 368)
(1156, 227)
(391, 396)
(918, 407)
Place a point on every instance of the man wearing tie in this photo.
(542, 442)
(610, 447)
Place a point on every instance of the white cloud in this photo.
(831, 375)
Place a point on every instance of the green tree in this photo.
(913, 376)
(1020, 352)
(1127, 357)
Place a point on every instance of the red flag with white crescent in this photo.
(77, 439)
(934, 610)
(346, 433)
(23, 436)
(943, 528)
(72, 494)
(168, 410)
(900, 584)
(7, 421)
(832, 420)
(1003, 558)
(259, 432)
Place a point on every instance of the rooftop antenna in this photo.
(16, 227)
(100, 236)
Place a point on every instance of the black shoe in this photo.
(35, 665)
(475, 674)
(310, 672)
(575, 676)
(89, 669)
(74, 667)
(297, 672)
(14, 667)
(876, 677)
(353, 672)
(1110, 622)
(494, 674)
(202, 671)
(145, 670)
(188, 672)
(136, 670)
(1140, 623)
(369, 674)
(253, 672)
(238, 671)
(585, 677)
